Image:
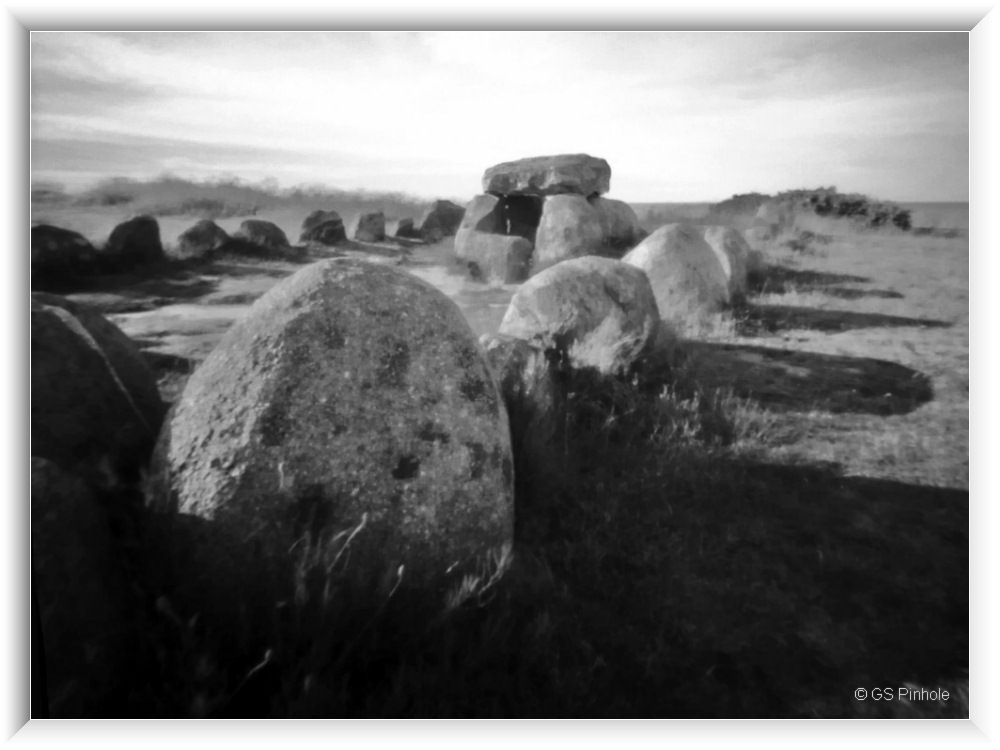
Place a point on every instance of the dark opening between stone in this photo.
(407, 468)
(520, 215)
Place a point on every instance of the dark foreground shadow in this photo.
(756, 319)
(786, 586)
(785, 380)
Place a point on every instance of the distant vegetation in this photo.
(173, 196)
(823, 201)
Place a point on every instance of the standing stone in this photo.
(599, 312)
(686, 276)
(200, 240)
(371, 227)
(549, 175)
(324, 227)
(134, 242)
(621, 227)
(263, 238)
(733, 252)
(569, 228)
(481, 215)
(441, 221)
(81, 412)
(132, 371)
(58, 253)
(353, 396)
(494, 258)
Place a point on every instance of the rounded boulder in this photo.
(324, 227)
(441, 221)
(121, 353)
(58, 253)
(200, 240)
(685, 274)
(599, 312)
(134, 242)
(81, 412)
(264, 237)
(371, 227)
(621, 226)
(352, 403)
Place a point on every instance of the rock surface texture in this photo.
(569, 228)
(600, 312)
(353, 396)
(685, 274)
(441, 221)
(371, 227)
(134, 242)
(324, 227)
(621, 227)
(58, 253)
(494, 258)
(549, 175)
(82, 413)
(733, 252)
(200, 241)
(260, 237)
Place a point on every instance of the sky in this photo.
(680, 116)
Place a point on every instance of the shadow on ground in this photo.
(783, 590)
(786, 380)
(756, 319)
(776, 279)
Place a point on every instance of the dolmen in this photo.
(537, 212)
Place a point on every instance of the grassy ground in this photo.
(779, 521)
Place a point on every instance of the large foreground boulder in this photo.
(259, 237)
(82, 415)
(88, 634)
(599, 312)
(549, 175)
(59, 254)
(121, 353)
(371, 227)
(494, 258)
(323, 227)
(733, 253)
(200, 241)
(133, 243)
(441, 221)
(351, 406)
(570, 227)
(685, 274)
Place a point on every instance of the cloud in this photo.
(678, 115)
